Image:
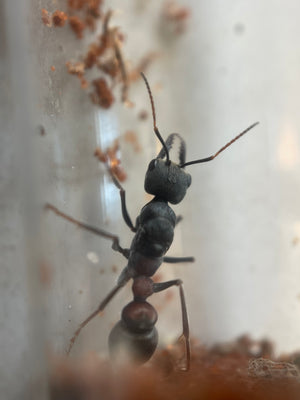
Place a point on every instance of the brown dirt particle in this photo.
(131, 137)
(59, 18)
(77, 25)
(102, 94)
(46, 17)
(143, 115)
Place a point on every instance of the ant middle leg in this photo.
(158, 287)
(115, 239)
(175, 260)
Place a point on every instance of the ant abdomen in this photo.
(139, 316)
(134, 337)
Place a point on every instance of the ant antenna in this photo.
(156, 131)
(219, 151)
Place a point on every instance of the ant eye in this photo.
(152, 165)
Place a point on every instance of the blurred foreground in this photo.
(240, 370)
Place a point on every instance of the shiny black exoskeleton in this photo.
(135, 336)
(154, 232)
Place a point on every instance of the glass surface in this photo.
(235, 64)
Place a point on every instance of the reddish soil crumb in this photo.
(119, 172)
(169, 296)
(90, 23)
(77, 25)
(224, 372)
(90, 12)
(143, 65)
(91, 57)
(92, 6)
(114, 269)
(157, 87)
(76, 4)
(143, 115)
(52, 68)
(46, 17)
(59, 18)
(105, 53)
(46, 274)
(100, 155)
(78, 69)
(102, 94)
(41, 130)
(131, 137)
(176, 15)
(110, 67)
(110, 158)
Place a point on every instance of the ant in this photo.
(154, 231)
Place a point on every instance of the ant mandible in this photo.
(154, 231)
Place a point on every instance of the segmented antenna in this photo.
(222, 149)
(156, 131)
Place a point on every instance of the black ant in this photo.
(154, 231)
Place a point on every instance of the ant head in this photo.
(167, 181)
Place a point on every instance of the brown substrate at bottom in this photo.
(240, 370)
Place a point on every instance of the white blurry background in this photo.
(237, 62)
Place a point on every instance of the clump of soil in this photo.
(241, 370)
(104, 55)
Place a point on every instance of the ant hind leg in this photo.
(123, 279)
(158, 287)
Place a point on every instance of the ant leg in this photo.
(158, 287)
(115, 245)
(123, 279)
(178, 219)
(174, 260)
(125, 214)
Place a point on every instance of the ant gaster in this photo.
(154, 231)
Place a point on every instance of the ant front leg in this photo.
(115, 239)
(125, 213)
(158, 287)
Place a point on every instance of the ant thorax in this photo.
(155, 229)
